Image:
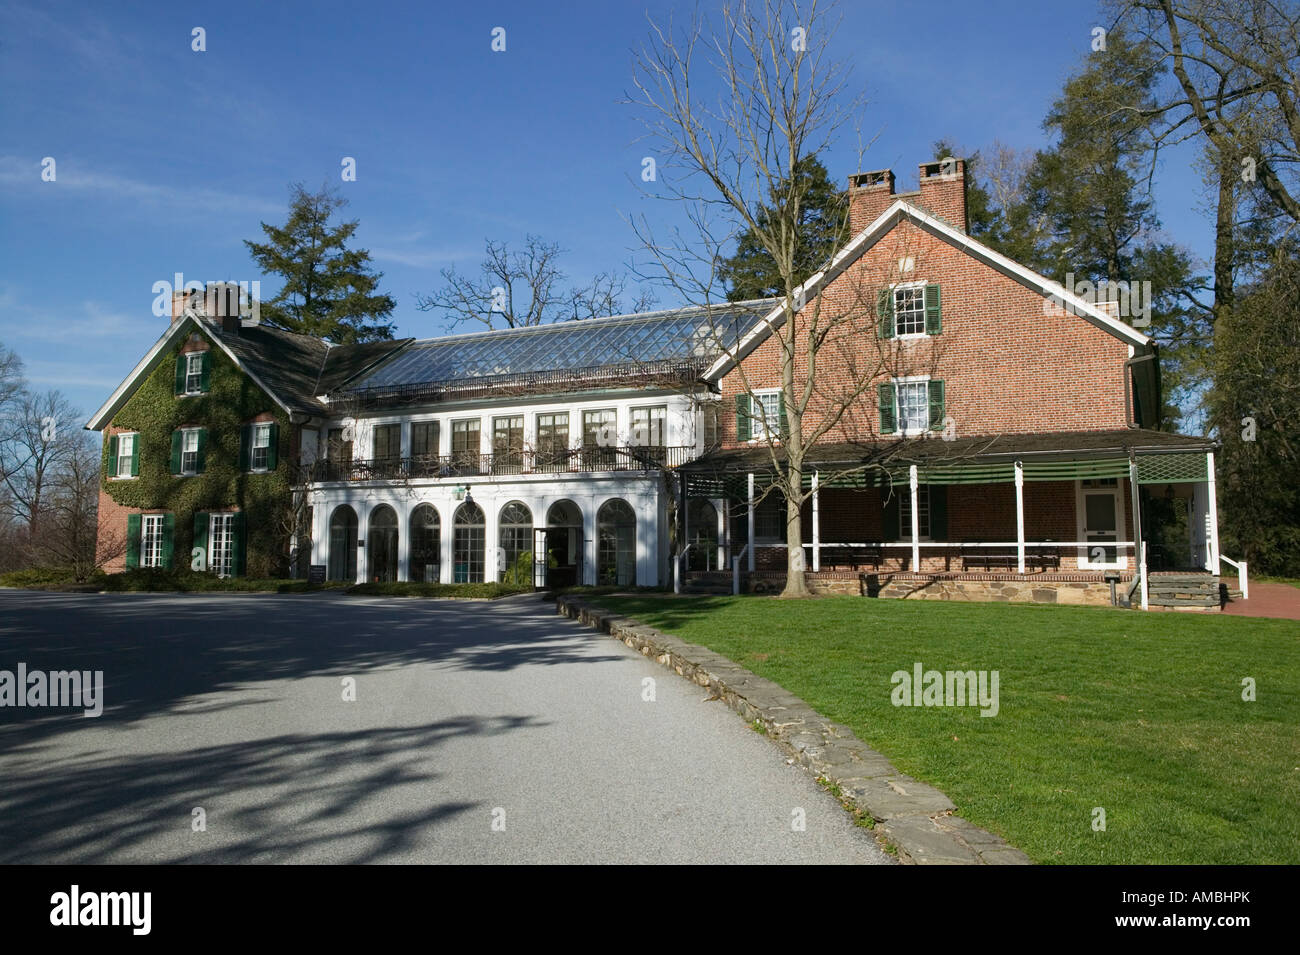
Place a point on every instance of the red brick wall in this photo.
(1007, 366)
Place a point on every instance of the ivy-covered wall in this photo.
(232, 399)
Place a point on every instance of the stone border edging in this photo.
(915, 818)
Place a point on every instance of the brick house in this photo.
(988, 434)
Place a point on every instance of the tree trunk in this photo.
(795, 584)
(1224, 240)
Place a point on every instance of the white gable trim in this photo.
(154, 357)
(869, 236)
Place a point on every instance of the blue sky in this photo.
(168, 158)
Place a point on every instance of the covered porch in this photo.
(1051, 518)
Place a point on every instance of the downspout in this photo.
(1129, 391)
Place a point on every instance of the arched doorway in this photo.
(381, 545)
(563, 545)
(426, 544)
(701, 534)
(515, 539)
(342, 563)
(469, 543)
(616, 544)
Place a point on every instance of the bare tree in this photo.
(41, 437)
(735, 106)
(523, 288)
(68, 531)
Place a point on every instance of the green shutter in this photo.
(168, 539)
(201, 522)
(238, 541)
(885, 312)
(744, 423)
(888, 409)
(938, 512)
(132, 541)
(933, 313)
(177, 437)
(205, 371)
(273, 450)
(936, 405)
(889, 519)
(135, 456)
(784, 424)
(180, 374)
(245, 446)
(112, 455)
(200, 458)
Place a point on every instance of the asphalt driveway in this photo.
(480, 732)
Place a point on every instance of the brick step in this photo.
(1182, 602)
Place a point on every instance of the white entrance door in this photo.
(1101, 524)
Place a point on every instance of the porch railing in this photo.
(1243, 581)
(473, 464)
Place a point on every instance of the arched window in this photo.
(381, 545)
(515, 538)
(343, 545)
(616, 544)
(426, 544)
(702, 534)
(563, 544)
(468, 544)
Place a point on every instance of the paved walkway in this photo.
(466, 714)
(1268, 600)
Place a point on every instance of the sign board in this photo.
(316, 574)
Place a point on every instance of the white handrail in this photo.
(1243, 581)
(735, 570)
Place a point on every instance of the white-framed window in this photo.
(221, 544)
(922, 509)
(261, 446)
(151, 540)
(125, 454)
(194, 373)
(913, 403)
(909, 310)
(190, 451)
(649, 426)
(767, 414)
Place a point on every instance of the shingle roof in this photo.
(658, 341)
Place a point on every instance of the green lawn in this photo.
(1140, 714)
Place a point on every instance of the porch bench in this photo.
(852, 556)
(984, 559)
(1043, 557)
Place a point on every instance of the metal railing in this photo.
(470, 464)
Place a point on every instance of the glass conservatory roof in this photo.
(694, 336)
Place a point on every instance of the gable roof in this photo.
(291, 368)
(868, 237)
(661, 342)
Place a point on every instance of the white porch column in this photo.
(447, 531)
(363, 541)
(589, 542)
(1020, 517)
(720, 509)
(404, 542)
(1213, 505)
(816, 522)
(492, 537)
(916, 521)
(751, 521)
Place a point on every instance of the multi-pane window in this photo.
(465, 442)
(905, 512)
(508, 442)
(424, 439)
(650, 426)
(552, 440)
(194, 373)
(338, 451)
(909, 310)
(151, 540)
(125, 454)
(770, 518)
(913, 406)
(599, 438)
(767, 414)
(221, 544)
(388, 443)
(516, 542)
(261, 446)
(710, 425)
(190, 451)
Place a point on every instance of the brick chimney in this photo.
(180, 298)
(870, 194)
(943, 190)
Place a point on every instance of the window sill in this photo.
(914, 336)
(124, 477)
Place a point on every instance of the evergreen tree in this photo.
(751, 272)
(329, 290)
